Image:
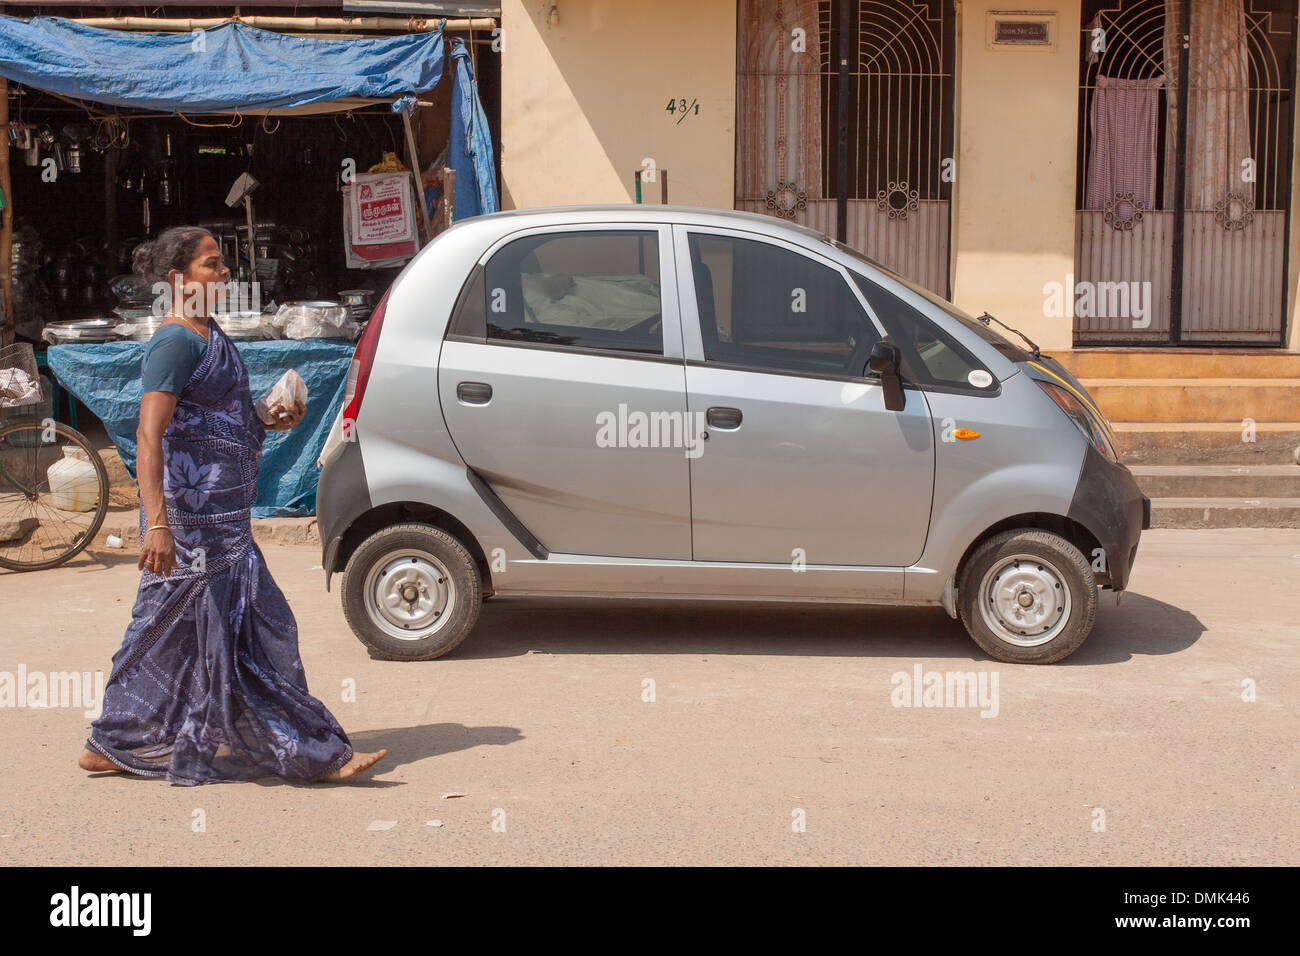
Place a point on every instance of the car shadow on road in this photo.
(1140, 626)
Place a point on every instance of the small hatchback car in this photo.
(675, 402)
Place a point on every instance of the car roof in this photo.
(656, 212)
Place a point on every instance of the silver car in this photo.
(676, 402)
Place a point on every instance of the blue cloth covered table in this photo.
(106, 379)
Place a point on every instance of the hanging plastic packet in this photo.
(277, 402)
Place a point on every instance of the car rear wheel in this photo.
(411, 592)
(1028, 597)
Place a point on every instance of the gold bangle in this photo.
(157, 526)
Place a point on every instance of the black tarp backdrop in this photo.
(298, 162)
(80, 215)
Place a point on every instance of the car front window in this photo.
(764, 307)
(987, 333)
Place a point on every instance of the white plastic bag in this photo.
(278, 401)
(17, 388)
(303, 320)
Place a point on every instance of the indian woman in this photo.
(208, 684)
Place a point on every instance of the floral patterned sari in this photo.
(208, 684)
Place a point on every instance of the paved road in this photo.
(762, 717)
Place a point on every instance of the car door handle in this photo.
(722, 417)
(474, 393)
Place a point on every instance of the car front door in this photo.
(803, 463)
(561, 381)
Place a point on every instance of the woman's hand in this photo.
(158, 552)
(291, 416)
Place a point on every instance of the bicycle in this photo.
(49, 511)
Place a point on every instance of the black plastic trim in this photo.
(506, 516)
(1108, 502)
(991, 392)
(576, 349)
(469, 315)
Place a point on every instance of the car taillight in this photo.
(362, 360)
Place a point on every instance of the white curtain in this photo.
(1218, 105)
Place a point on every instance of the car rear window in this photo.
(581, 289)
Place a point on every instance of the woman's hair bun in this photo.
(142, 259)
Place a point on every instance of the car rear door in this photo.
(803, 462)
(561, 379)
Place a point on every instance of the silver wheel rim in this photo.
(409, 594)
(1025, 600)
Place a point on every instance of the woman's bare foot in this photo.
(95, 762)
(359, 763)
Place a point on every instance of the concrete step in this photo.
(1180, 363)
(1218, 481)
(1196, 399)
(1210, 443)
(1225, 513)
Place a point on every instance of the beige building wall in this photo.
(1293, 256)
(583, 100)
(1013, 223)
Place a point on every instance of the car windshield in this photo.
(986, 332)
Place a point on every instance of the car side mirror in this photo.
(885, 361)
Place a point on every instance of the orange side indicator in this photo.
(966, 433)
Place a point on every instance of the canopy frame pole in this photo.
(252, 242)
(265, 22)
(413, 160)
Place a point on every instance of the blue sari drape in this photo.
(208, 684)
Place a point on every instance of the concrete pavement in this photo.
(761, 719)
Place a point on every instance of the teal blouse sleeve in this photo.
(170, 359)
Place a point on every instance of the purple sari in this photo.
(208, 684)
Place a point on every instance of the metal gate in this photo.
(1184, 185)
(844, 122)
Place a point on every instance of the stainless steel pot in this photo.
(247, 326)
(81, 331)
(357, 298)
(142, 330)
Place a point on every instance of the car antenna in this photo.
(986, 318)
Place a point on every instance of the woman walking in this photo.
(208, 684)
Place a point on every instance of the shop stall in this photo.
(301, 154)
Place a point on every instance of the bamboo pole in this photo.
(186, 24)
(413, 160)
(8, 325)
(448, 207)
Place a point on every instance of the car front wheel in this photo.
(1028, 597)
(411, 592)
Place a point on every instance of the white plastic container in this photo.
(74, 484)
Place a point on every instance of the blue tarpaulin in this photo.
(470, 149)
(106, 379)
(214, 70)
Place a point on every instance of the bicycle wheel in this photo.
(43, 524)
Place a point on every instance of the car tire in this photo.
(1001, 592)
(411, 592)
